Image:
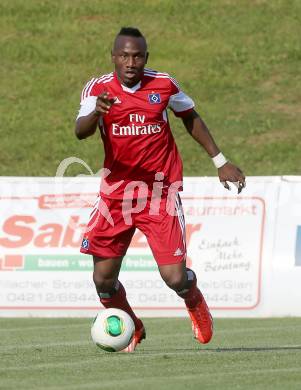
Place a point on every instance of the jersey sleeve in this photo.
(87, 106)
(179, 102)
(88, 98)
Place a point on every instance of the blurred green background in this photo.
(239, 60)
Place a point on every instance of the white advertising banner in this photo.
(230, 240)
(228, 259)
(286, 266)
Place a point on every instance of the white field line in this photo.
(50, 326)
(163, 336)
(41, 327)
(232, 330)
(259, 328)
(42, 366)
(114, 383)
(37, 345)
(142, 355)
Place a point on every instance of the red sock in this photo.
(118, 300)
(191, 295)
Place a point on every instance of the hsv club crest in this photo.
(154, 98)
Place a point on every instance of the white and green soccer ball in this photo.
(112, 330)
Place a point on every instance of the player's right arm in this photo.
(92, 109)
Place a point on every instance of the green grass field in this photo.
(239, 60)
(57, 354)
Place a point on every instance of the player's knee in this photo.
(102, 283)
(175, 281)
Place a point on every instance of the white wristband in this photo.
(219, 160)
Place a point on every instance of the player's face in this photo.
(129, 56)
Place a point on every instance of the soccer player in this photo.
(143, 177)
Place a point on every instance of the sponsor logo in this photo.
(11, 262)
(59, 262)
(117, 100)
(135, 130)
(178, 252)
(85, 243)
(154, 98)
(137, 126)
(298, 247)
(22, 230)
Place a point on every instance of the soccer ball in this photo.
(112, 330)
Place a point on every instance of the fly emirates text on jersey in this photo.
(134, 129)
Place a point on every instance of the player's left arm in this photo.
(227, 171)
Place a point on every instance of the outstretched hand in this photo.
(103, 103)
(230, 172)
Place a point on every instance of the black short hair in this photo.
(130, 32)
